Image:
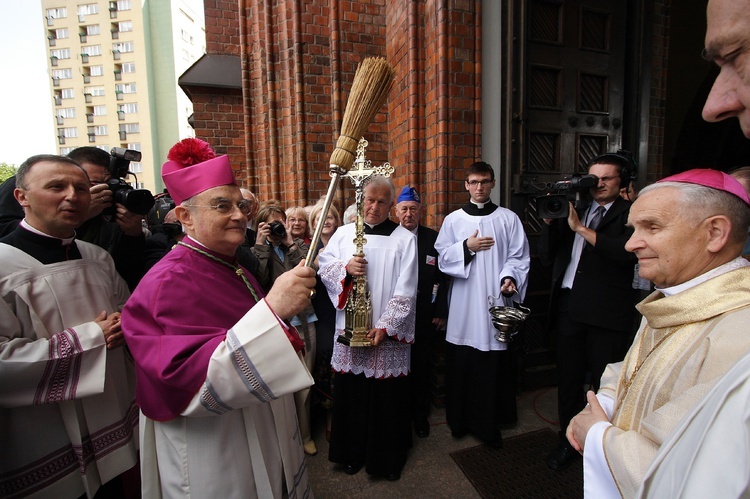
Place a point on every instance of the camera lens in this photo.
(277, 228)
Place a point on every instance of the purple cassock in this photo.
(175, 319)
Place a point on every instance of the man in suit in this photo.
(591, 305)
(432, 306)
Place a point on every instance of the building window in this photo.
(104, 148)
(68, 133)
(125, 88)
(96, 70)
(123, 47)
(100, 110)
(67, 112)
(123, 4)
(93, 29)
(98, 130)
(60, 53)
(128, 67)
(136, 146)
(97, 91)
(125, 26)
(136, 167)
(92, 50)
(129, 108)
(88, 9)
(64, 151)
(58, 13)
(62, 74)
(61, 33)
(130, 127)
(67, 93)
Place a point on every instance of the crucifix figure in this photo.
(358, 305)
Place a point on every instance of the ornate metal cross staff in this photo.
(358, 305)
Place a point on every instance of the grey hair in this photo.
(703, 201)
(381, 181)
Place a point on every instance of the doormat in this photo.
(520, 469)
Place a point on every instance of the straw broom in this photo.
(372, 83)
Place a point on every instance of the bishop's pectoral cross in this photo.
(358, 305)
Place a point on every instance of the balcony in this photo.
(86, 78)
(61, 140)
(83, 36)
(50, 21)
(119, 95)
(85, 58)
(60, 120)
(52, 41)
(123, 135)
(116, 55)
(118, 75)
(92, 137)
(115, 33)
(120, 115)
(89, 117)
(89, 98)
(53, 60)
(81, 18)
(55, 81)
(58, 100)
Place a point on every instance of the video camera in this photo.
(138, 201)
(571, 189)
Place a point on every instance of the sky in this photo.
(25, 95)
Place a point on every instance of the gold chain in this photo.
(237, 269)
(627, 383)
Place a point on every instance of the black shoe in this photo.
(422, 427)
(393, 477)
(353, 467)
(561, 457)
(459, 433)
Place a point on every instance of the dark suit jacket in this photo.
(429, 275)
(602, 294)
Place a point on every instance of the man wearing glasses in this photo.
(216, 360)
(591, 301)
(484, 249)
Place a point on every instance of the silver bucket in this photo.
(507, 320)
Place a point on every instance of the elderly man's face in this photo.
(378, 203)
(408, 213)
(727, 44)
(220, 232)
(56, 198)
(670, 245)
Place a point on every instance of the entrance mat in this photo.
(519, 469)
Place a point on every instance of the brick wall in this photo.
(300, 62)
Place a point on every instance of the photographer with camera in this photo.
(591, 299)
(278, 251)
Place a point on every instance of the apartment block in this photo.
(113, 69)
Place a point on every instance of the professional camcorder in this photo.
(138, 201)
(571, 189)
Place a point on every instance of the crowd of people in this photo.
(182, 357)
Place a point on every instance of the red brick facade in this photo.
(301, 56)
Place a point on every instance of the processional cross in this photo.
(358, 306)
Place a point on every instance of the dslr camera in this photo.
(570, 189)
(277, 228)
(138, 201)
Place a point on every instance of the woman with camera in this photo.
(278, 251)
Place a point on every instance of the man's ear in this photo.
(20, 195)
(719, 231)
(185, 216)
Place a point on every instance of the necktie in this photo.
(598, 213)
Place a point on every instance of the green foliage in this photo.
(6, 171)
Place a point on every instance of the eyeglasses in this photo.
(225, 207)
(607, 179)
(474, 183)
